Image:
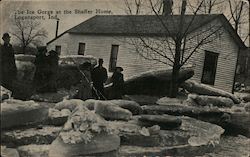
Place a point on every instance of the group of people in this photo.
(94, 80)
(47, 66)
(46, 73)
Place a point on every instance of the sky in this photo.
(8, 9)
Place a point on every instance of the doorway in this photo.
(209, 68)
(113, 57)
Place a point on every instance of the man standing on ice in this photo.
(8, 69)
(99, 77)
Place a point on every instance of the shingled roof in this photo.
(148, 25)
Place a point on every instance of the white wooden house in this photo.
(106, 36)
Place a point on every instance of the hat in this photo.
(6, 35)
(120, 68)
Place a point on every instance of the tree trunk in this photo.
(176, 69)
(24, 49)
(177, 57)
(174, 82)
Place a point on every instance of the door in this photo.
(113, 57)
(209, 68)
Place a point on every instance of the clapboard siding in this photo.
(100, 47)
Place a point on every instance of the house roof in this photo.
(148, 25)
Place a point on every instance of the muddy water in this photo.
(232, 147)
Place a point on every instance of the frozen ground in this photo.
(232, 147)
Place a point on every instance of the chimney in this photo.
(57, 25)
(183, 7)
(167, 7)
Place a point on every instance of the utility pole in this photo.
(249, 23)
(248, 49)
(57, 26)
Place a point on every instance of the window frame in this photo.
(79, 48)
(58, 51)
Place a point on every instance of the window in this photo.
(81, 49)
(58, 49)
(113, 57)
(209, 68)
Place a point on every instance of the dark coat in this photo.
(118, 85)
(99, 76)
(7, 65)
(46, 72)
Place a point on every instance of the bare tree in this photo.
(237, 12)
(28, 32)
(210, 6)
(175, 49)
(135, 7)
